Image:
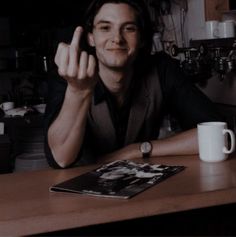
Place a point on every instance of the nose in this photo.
(117, 36)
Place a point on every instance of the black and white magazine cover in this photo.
(118, 179)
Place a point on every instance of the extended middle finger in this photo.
(74, 51)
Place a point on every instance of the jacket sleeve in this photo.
(184, 100)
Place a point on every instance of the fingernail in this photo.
(79, 28)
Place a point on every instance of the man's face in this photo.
(115, 36)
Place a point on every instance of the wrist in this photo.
(77, 93)
(76, 90)
(131, 151)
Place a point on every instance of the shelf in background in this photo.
(221, 42)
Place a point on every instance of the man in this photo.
(112, 99)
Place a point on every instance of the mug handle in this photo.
(232, 138)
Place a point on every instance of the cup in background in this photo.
(7, 105)
(1, 128)
(212, 29)
(213, 141)
(227, 29)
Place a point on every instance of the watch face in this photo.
(146, 147)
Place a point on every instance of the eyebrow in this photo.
(108, 22)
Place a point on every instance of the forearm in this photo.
(66, 133)
(184, 143)
(78, 68)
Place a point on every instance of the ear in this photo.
(91, 40)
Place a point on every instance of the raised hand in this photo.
(74, 65)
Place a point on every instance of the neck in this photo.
(117, 82)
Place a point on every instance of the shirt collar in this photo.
(99, 92)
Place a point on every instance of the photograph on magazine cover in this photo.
(120, 179)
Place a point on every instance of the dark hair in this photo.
(143, 18)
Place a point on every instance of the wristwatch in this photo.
(146, 149)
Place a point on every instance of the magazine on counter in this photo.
(118, 179)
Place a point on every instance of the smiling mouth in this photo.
(117, 49)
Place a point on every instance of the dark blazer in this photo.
(143, 118)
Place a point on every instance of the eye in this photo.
(103, 28)
(130, 28)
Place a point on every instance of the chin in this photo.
(119, 63)
(115, 59)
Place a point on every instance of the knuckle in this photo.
(62, 45)
(84, 53)
(61, 72)
(73, 48)
(56, 60)
(90, 73)
(81, 77)
(71, 73)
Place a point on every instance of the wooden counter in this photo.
(27, 207)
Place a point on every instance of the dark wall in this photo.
(29, 20)
(33, 29)
(232, 4)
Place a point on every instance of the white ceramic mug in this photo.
(7, 105)
(212, 30)
(213, 141)
(227, 29)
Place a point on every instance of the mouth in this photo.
(117, 49)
